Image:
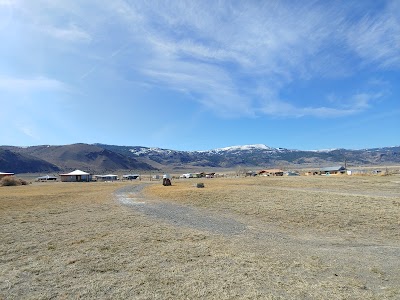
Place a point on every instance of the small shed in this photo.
(108, 177)
(333, 170)
(76, 176)
(3, 174)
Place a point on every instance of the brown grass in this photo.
(73, 240)
(357, 205)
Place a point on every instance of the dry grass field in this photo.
(303, 238)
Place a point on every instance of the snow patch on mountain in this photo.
(153, 150)
(240, 148)
(323, 150)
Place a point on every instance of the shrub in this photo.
(23, 182)
(12, 181)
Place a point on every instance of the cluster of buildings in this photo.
(81, 176)
(335, 170)
(199, 175)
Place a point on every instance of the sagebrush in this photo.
(12, 181)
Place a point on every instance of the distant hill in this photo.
(22, 163)
(91, 158)
(101, 158)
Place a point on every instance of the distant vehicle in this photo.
(130, 177)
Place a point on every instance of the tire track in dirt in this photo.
(178, 215)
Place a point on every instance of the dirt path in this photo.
(178, 215)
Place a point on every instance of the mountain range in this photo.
(102, 158)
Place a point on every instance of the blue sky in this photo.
(198, 75)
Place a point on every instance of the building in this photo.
(108, 177)
(291, 173)
(187, 175)
(250, 174)
(271, 172)
(333, 170)
(2, 174)
(76, 176)
(46, 178)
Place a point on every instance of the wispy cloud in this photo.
(6, 13)
(13, 84)
(70, 33)
(219, 53)
(376, 38)
(29, 131)
(208, 50)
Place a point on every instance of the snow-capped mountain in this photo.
(254, 147)
(101, 157)
(258, 155)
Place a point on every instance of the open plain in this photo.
(316, 237)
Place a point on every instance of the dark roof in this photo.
(335, 168)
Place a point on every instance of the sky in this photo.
(199, 75)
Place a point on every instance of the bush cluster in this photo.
(12, 181)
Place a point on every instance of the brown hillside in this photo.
(83, 156)
(23, 163)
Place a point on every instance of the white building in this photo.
(76, 176)
(108, 177)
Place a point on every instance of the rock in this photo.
(166, 182)
(200, 185)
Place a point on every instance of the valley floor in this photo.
(250, 238)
